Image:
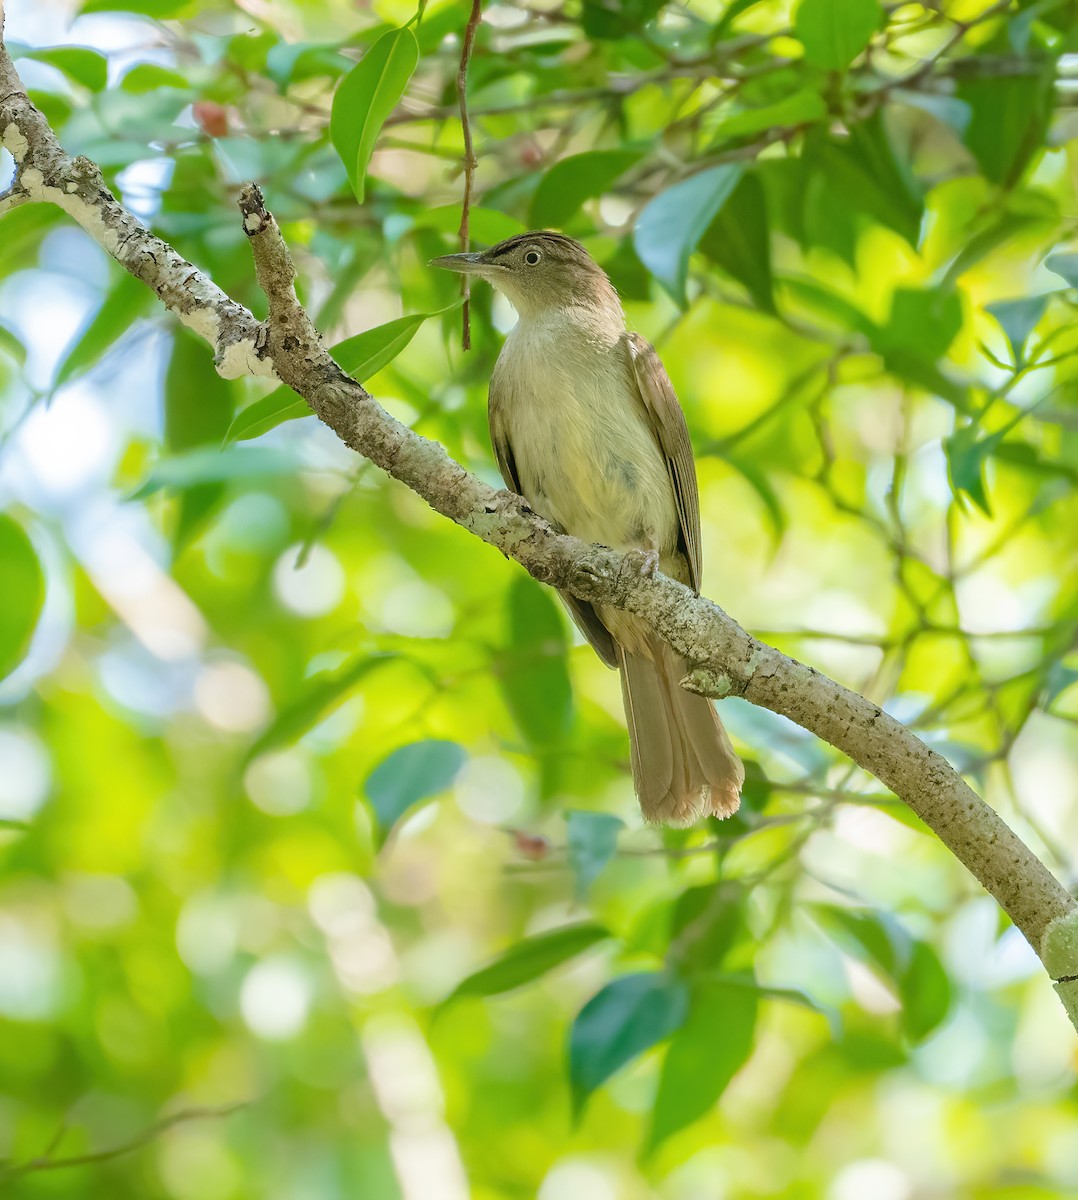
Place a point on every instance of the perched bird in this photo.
(587, 428)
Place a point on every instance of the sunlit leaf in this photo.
(12, 346)
(365, 98)
(571, 181)
(799, 108)
(627, 1017)
(22, 586)
(78, 63)
(671, 226)
(361, 356)
(410, 775)
(148, 77)
(704, 1055)
(834, 32)
(531, 958)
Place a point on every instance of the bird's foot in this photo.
(642, 562)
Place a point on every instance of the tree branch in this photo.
(470, 163)
(727, 661)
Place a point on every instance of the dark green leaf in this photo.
(530, 958)
(738, 240)
(127, 300)
(409, 775)
(704, 1055)
(88, 67)
(1010, 115)
(1018, 319)
(362, 356)
(1065, 266)
(593, 841)
(568, 183)
(707, 921)
(612, 19)
(365, 98)
(626, 1018)
(535, 673)
(321, 695)
(671, 226)
(22, 586)
(834, 32)
(197, 467)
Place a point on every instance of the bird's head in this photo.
(538, 272)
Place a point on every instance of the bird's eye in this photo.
(532, 257)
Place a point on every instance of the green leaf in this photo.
(738, 240)
(320, 697)
(834, 32)
(568, 183)
(925, 991)
(967, 454)
(361, 356)
(409, 775)
(149, 77)
(922, 321)
(671, 226)
(530, 958)
(12, 346)
(127, 300)
(593, 841)
(365, 98)
(1018, 318)
(707, 921)
(198, 409)
(629, 1016)
(161, 10)
(800, 108)
(612, 19)
(1065, 266)
(212, 465)
(88, 67)
(22, 586)
(534, 674)
(1009, 120)
(704, 1055)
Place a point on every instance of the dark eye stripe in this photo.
(514, 243)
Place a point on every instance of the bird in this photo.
(586, 427)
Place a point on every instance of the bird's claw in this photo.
(644, 563)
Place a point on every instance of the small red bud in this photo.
(211, 117)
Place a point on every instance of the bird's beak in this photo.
(467, 264)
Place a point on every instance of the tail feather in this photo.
(684, 765)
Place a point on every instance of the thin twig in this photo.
(46, 1163)
(469, 163)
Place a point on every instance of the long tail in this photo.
(684, 766)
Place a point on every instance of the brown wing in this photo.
(668, 421)
(584, 616)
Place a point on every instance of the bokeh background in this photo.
(285, 758)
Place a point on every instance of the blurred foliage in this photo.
(286, 761)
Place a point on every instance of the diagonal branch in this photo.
(727, 660)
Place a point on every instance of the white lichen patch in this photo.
(15, 142)
(203, 321)
(240, 359)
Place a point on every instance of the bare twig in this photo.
(45, 1161)
(470, 164)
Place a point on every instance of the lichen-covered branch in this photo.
(727, 660)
